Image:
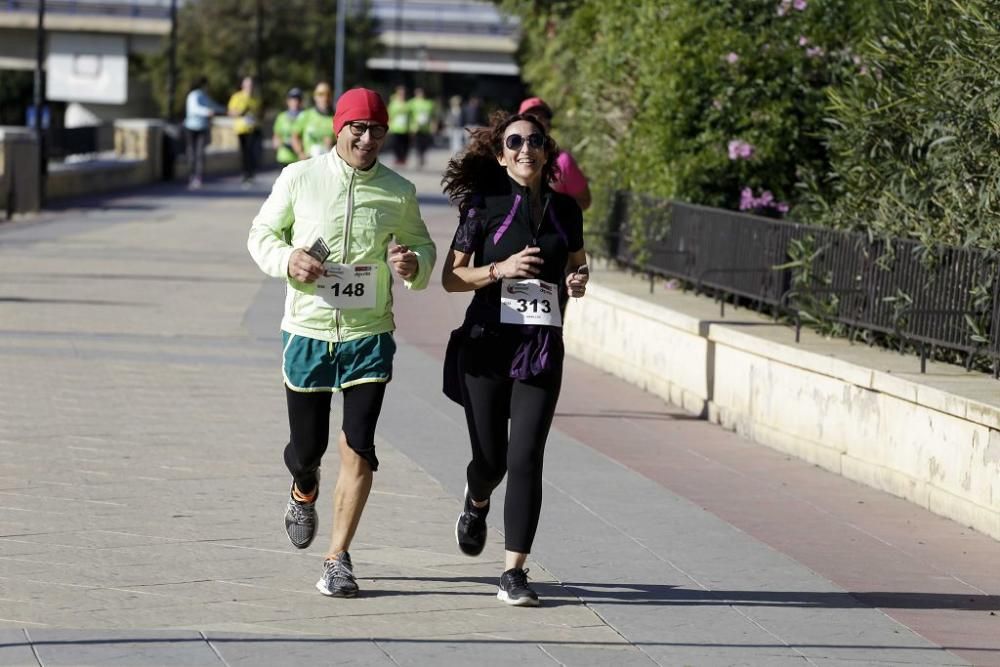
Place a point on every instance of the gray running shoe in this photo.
(300, 522)
(515, 590)
(338, 578)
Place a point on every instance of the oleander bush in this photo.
(719, 103)
(915, 148)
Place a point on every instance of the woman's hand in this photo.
(524, 264)
(576, 282)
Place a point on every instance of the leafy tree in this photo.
(218, 39)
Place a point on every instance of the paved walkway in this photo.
(141, 492)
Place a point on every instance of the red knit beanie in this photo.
(359, 104)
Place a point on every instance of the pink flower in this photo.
(749, 202)
(732, 57)
(787, 5)
(814, 52)
(740, 150)
(803, 40)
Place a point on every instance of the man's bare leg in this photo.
(354, 483)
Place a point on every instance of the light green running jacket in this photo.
(357, 213)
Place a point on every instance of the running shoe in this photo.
(515, 590)
(338, 578)
(300, 520)
(470, 529)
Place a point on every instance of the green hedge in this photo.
(650, 94)
(915, 148)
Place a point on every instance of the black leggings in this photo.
(309, 426)
(248, 154)
(492, 404)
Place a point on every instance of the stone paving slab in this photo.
(140, 510)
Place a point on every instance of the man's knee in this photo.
(361, 460)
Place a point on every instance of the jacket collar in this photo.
(518, 189)
(340, 167)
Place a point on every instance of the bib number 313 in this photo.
(529, 302)
(346, 286)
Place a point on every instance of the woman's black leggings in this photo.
(309, 427)
(492, 405)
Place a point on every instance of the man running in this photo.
(326, 228)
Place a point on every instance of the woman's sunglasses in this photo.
(515, 141)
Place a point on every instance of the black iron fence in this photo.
(944, 297)
(92, 139)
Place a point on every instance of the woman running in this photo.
(519, 245)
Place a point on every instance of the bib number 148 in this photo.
(348, 289)
(346, 286)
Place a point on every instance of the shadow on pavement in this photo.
(262, 638)
(653, 594)
(665, 594)
(632, 414)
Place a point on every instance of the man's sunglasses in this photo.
(358, 129)
(515, 141)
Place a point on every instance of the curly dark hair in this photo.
(475, 170)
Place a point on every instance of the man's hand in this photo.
(304, 267)
(403, 261)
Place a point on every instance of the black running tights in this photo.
(309, 428)
(530, 405)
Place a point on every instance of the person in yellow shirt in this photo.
(245, 108)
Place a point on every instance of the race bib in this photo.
(346, 286)
(529, 302)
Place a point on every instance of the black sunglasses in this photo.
(358, 129)
(515, 141)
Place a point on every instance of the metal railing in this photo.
(91, 139)
(945, 297)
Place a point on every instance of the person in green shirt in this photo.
(399, 125)
(313, 131)
(422, 113)
(281, 137)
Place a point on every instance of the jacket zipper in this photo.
(538, 228)
(348, 219)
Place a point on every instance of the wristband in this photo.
(494, 274)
